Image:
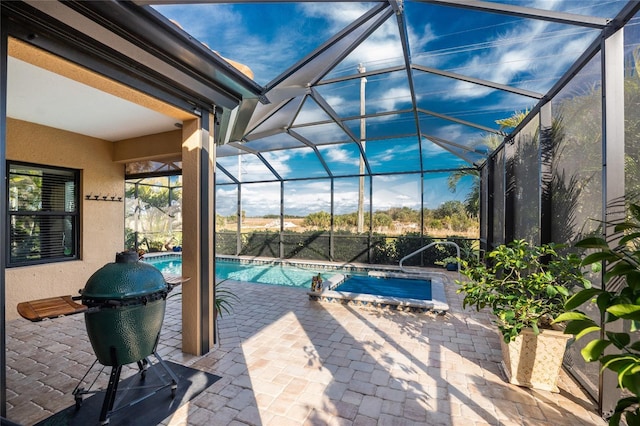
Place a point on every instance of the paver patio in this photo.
(285, 360)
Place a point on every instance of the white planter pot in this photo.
(534, 361)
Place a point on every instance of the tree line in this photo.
(451, 215)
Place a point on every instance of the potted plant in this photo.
(525, 286)
(618, 305)
(450, 263)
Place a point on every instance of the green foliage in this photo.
(226, 243)
(153, 210)
(382, 219)
(312, 245)
(491, 141)
(221, 221)
(225, 298)
(524, 285)
(452, 216)
(448, 209)
(261, 244)
(348, 247)
(345, 220)
(318, 220)
(449, 260)
(384, 251)
(404, 214)
(620, 304)
(405, 244)
(130, 242)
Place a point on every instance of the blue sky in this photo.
(270, 38)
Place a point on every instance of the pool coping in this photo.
(437, 303)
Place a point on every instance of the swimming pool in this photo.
(263, 273)
(387, 286)
(355, 286)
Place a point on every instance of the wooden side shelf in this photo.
(175, 280)
(53, 307)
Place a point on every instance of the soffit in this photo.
(47, 90)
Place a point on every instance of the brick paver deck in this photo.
(285, 360)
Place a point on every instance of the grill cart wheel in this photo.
(143, 366)
(78, 398)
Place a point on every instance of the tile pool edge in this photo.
(437, 304)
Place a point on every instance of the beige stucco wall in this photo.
(102, 223)
(166, 146)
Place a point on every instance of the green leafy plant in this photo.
(526, 286)
(225, 298)
(447, 260)
(616, 351)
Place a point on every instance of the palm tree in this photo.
(491, 141)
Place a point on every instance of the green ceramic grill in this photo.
(126, 304)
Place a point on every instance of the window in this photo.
(43, 214)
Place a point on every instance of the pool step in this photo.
(389, 274)
(334, 281)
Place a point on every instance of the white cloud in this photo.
(334, 101)
(524, 49)
(418, 40)
(279, 160)
(249, 165)
(257, 198)
(392, 97)
(323, 133)
(376, 52)
(225, 29)
(457, 133)
(396, 152)
(337, 154)
(399, 191)
(311, 115)
(382, 48)
(338, 15)
(307, 197)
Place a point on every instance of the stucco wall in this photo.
(102, 223)
(166, 145)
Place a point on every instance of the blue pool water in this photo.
(167, 266)
(288, 275)
(390, 287)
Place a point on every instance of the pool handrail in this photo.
(420, 250)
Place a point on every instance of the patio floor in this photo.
(285, 360)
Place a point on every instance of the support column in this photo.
(281, 233)
(333, 222)
(3, 208)
(370, 239)
(198, 220)
(545, 156)
(489, 175)
(509, 191)
(239, 220)
(613, 176)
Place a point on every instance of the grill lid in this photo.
(126, 278)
